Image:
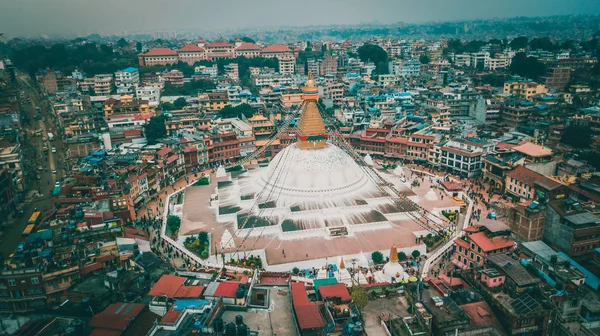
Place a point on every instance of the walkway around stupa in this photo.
(191, 258)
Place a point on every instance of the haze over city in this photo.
(36, 17)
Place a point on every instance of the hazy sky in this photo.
(33, 17)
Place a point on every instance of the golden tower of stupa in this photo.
(311, 128)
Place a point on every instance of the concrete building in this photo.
(191, 53)
(219, 50)
(149, 93)
(570, 229)
(462, 157)
(329, 66)
(158, 56)
(286, 65)
(127, 80)
(524, 89)
(558, 78)
(248, 50)
(103, 84)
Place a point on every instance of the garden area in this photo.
(250, 261)
(451, 215)
(198, 244)
(173, 224)
(204, 180)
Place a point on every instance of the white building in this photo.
(480, 59)
(410, 68)
(273, 80)
(103, 84)
(127, 80)
(149, 93)
(287, 65)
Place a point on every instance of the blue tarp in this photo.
(591, 280)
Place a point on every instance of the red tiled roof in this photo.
(90, 268)
(309, 316)
(171, 316)
(227, 289)
(219, 44)
(461, 242)
(132, 132)
(189, 292)
(335, 290)
(491, 244)
(117, 316)
(163, 151)
(161, 52)
(451, 186)
(276, 48)
(530, 177)
(191, 47)
(172, 158)
(135, 233)
(503, 145)
(481, 315)
(105, 332)
(299, 296)
(248, 46)
(167, 285)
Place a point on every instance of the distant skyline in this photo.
(75, 17)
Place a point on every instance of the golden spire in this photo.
(394, 254)
(311, 128)
(342, 265)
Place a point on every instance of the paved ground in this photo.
(392, 307)
(276, 321)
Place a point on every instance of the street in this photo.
(33, 158)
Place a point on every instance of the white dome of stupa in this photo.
(368, 160)
(323, 172)
(392, 271)
(398, 171)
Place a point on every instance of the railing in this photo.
(435, 257)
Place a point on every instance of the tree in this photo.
(122, 43)
(529, 67)
(179, 103)
(415, 254)
(377, 257)
(295, 270)
(519, 43)
(173, 223)
(543, 43)
(167, 106)
(579, 136)
(138, 47)
(155, 129)
(236, 112)
(247, 39)
(424, 59)
(373, 53)
(203, 237)
(359, 297)
(401, 256)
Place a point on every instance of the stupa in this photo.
(392, 271)
(313, 200)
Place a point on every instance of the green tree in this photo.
(424, 59)
(377, 257)
(155, 129)
(180, 103)
(173, 223)
(579, 136)
(122, 43)
(415, 254)
(247, 39)
(203, 237)
(237, 111)
(543, 43)
(295, 270)
(373, 53)
(167, 106)
(519, 43)
(401, 256)
(138, 47)
(529, 67)
(359, 297)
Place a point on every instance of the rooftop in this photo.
(531, 178)
(160, 52)
(488, 244)
(513, 269)
(167, 285)
(531, 149)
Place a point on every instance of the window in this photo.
(460, 249)
(478, 259)
(472, 255)
(12, 282)
(35, 280)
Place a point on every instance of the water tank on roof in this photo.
(230, 329)
(242, 330)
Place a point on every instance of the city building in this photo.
(191, 53)
(482, 242)
(558, 78)
(127, 80)
(286, 65)
(524, 89)
(158, 56)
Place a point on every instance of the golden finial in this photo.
(394, 254)
(342, 265)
